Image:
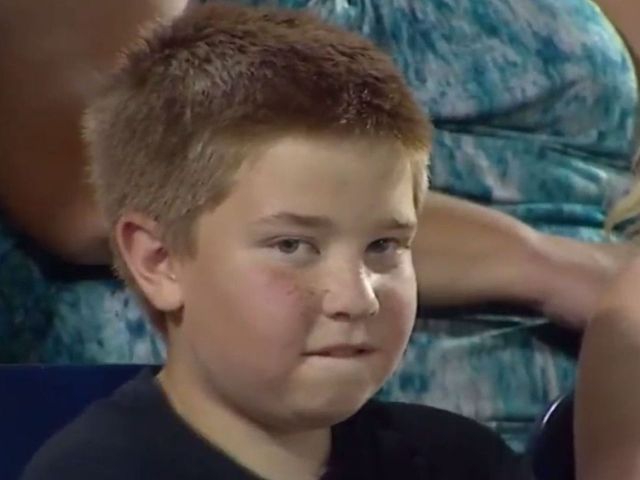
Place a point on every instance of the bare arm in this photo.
(466, 254)
(50, 56)
(625, 15)
(608, 391)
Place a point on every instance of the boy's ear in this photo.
(149, 261)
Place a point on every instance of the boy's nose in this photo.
(350, 294)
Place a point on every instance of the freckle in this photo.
(305, 294)
(292, 290)
(309, 303)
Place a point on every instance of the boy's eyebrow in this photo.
(309, 221)
(399, 224)
(321, 222)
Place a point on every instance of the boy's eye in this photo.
(295, 248)
(383, 245)
(288, 245)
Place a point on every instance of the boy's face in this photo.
(302, 295)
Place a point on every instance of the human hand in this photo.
(607, 421)
(621, 297)
(576, 276)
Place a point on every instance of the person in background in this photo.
(607, 417)
(476, 254)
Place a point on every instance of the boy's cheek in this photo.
(398, 304)
(283, 294)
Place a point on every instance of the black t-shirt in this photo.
(136, 435)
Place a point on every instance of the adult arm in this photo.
(467, 254)
(625, 15)
(51, 55)
(607, 415)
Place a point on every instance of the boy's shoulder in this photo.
(131, 435)
(135, 434)
(443, 444)
(432, 427)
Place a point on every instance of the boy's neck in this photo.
(272, 455)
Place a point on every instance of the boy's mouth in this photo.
(341, 351)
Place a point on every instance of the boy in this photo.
(262, 173)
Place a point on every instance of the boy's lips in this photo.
(343, 350)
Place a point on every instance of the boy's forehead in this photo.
(314, 183)
(327, 151)
(309, 159)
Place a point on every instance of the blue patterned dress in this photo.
(534, 103)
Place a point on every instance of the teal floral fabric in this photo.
(534, 103)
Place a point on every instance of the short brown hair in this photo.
(174, 122)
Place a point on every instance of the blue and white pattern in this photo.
(534, 103)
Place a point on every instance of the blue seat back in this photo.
(38, 400)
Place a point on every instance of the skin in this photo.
(512, 262)
(310, 252)
(625, 15)
(52, 55)
(607, 417)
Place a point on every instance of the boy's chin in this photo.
(328, 411)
